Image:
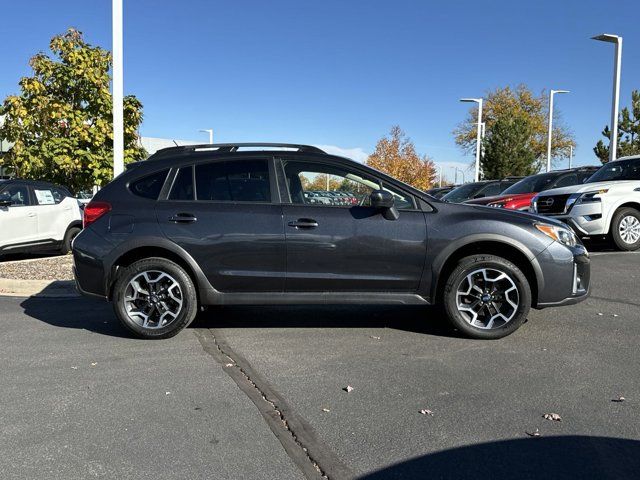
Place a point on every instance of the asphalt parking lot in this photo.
(258, 392)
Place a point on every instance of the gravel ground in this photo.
(48, 268)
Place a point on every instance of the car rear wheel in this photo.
(155, 298)
(625, 229)
(487, 297)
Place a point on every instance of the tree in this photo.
(507, 103)
(61, 123)
(508, 150)
(396, 155)
(628, 132)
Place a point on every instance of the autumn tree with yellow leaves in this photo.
(396, 155)
(61, 123)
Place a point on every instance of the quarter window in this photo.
(233, 181)
(149, 186)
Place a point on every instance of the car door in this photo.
(226, 214)
(51, 215)
(18, 221)
(350, 248)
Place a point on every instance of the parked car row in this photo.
(331, 197)
(593, 201)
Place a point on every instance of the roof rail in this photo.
(233, 147)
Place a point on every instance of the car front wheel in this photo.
(625, 229)
(487, 297)
(155, 298)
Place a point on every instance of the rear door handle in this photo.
(304, 223)
(183, 218)
(31, 214)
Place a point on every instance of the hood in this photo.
(500, 198)
(506, 215)
(590, 187)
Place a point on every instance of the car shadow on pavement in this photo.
(418, 319)
(79, 313)
(562, 457)
(98, 317)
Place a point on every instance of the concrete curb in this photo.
(12, 287)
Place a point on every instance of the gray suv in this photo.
(231, 224)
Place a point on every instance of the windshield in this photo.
(617, 170)
(532, 184)
(462, 193)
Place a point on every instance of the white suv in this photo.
(608, 203)
(37, 216)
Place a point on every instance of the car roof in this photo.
(24, 181)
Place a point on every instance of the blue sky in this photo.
(341, 73)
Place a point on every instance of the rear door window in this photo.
(233, 181)
(182, 188)
(566, 181)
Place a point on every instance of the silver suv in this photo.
(607, 204)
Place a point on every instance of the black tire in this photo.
(616, 222)
(68, 239)
(461, 320)
(184, 316)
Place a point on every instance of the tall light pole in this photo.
(210, 132)
(570, 155)
(478, 133)
(117, 88)
(615, 101)
(456, 177)
(550, 131)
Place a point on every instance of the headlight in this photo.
(561, 235)
(590, 197)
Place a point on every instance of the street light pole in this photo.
(118, 88)
(210, 132)
(550, 131)
(615, 101)
(570, 155)
(478, 133)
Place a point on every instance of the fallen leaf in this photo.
(600, 314)
(326, 410)
(167, 393)
(426, 411)
(229, 365)
(74, 368)
(619, 399)
(348, 389)
(615, 315)
(552, 416)
(374, 337)
(535, 433)
(93, 364)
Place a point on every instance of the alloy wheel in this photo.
(629, 229)
(153, 299)
(487, 298)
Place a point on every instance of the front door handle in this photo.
(183, 218)
(304, 223)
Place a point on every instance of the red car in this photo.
(519, 195)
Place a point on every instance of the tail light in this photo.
(93, 211)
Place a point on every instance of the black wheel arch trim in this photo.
(110, 263)
(441, 259)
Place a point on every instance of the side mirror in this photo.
(383, 200)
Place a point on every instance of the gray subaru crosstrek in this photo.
(230, 224)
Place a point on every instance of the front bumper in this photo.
(567, 275)
(585, 219)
